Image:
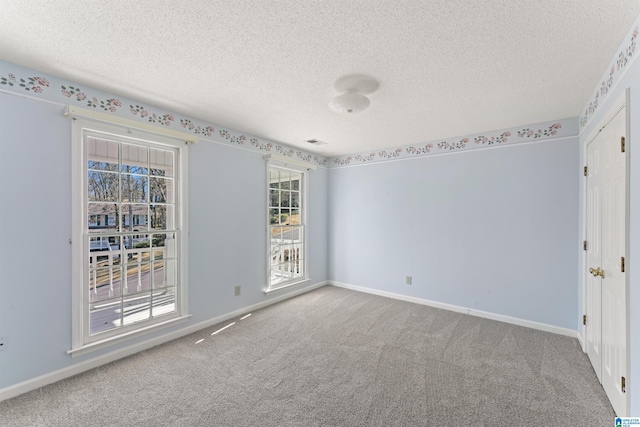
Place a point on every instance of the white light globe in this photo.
(349, 103)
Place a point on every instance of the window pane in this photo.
(137, 264)
(137, 255)
(286, 253)
(136, 242)
(164, 301)
(101, 243)
(102, 154)
(102, 186)
(161, 190)
(274, 217)
(135, 159)
(285, 198)
(104, 316)
(159, 274)
(134, 188)
(101, 246)
(138, 278)
(104, 283)
(162, 162)
(105, 272)
(136, 308)
(276, 232)
(295, 182)
(158, 245)
(164, 273)
(294, 217)
(102, 217)
(274, 179)
(284, 216)
(274, 198)
(279, 274)
(162, 217)
(167, 243)
(295, 199)
(109, 259)
(134, 217)
(284, 180)
(96, 165)
(291, 234)
(164, 246)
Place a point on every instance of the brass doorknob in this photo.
(592, 271)
(597, 272)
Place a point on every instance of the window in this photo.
(286, 235)
(129, 207)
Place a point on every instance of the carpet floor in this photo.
(335, 357)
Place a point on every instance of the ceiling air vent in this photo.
(316, 142)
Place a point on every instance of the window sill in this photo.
(97, 345)
(288, 285)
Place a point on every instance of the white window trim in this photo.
(296, 166)
(77, 112)
(80, 345)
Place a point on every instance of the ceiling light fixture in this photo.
(354, 87)
(316, 142)
(350, 102)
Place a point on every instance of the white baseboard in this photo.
(49, 378)
(581, 341)
(485, 314)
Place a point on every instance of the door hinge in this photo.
(622, 264)
(584, 245)
(584, 319)
(623, 385)
(585, 171)
(622, 144)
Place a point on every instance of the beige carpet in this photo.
(335, 357)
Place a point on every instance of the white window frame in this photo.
(291, 165)
(125, 131)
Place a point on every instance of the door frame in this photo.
(622, 102)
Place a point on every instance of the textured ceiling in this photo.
(445, 67)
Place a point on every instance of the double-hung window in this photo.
(287, 221)
(129, 230)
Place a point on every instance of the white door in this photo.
(606, 330)
(593, 290)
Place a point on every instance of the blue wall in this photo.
(35, 227)
(227, 243)
(496, 230)
(228, 227)
(492, 230)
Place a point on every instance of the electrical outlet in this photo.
(408, 280)
(237, 291)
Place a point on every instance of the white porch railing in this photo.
(116, 271)
(286, 260)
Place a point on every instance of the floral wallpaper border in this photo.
(539, 131)
(19, 79)
(620, 62)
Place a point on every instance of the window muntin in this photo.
(286, 235)
(131, 235)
